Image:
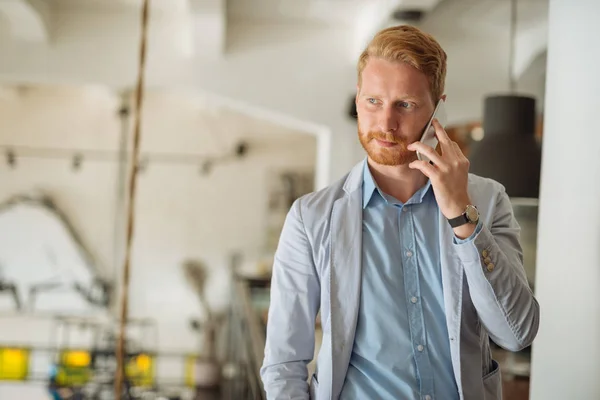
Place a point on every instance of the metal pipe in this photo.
(121, 347)
(120, 199)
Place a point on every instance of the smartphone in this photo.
(428, 136)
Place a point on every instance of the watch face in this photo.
(472, 213)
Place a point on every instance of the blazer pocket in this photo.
(313, 388)
(492, 383)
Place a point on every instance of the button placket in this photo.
(414, 302)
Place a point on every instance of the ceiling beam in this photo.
(28, 19)
(208, 27)
(376, 15)
(529, 45)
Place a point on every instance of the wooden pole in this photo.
(121, 346)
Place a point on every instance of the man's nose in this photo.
(388, 121)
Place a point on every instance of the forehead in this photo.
(391, 78)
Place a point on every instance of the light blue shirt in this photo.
(401, 347)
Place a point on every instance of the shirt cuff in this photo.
(478, 228)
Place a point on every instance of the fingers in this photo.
(457, 150)
(428, 151)
(446, 143)
(427, 169)
(441, 135)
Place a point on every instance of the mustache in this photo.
(386, 137)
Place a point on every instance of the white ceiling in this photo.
(25, 20)
(31, 19)
(326, 12)
(487, 15)
(197, 31)
(119, 5)
(330, 12)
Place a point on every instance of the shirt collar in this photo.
(370, 187)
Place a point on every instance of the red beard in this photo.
(394, 155)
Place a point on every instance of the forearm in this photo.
(499, 289)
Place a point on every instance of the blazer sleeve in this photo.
(493, 264)
(294, 303)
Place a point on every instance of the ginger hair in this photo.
(412, 46)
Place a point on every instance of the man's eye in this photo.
(404, 104)
(372, 101)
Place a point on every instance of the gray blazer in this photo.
(318, 268)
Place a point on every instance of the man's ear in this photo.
(443, 97)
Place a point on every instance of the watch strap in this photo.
(469, 216)
(458, 221)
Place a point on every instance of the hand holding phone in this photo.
(428, 137)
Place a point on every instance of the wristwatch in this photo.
(470, 216)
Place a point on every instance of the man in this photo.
(413, 265)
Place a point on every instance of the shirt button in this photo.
(420, 347)
(427, 397)
(413, 300)
(404, 209)
(409, 253)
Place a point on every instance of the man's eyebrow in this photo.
(398, 98)
(408, 97)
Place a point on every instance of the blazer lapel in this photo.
(346, 263)
(452, 282)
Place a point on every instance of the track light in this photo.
(241, 149)
(11, 158)
(206, 167)
(77, 160)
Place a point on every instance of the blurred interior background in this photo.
(247, 105)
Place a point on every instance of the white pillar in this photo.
(566, 353)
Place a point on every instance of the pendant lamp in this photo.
(509, 152)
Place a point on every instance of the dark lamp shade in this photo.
(509, 152)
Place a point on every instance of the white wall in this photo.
(29, 391)
(566, 352)
(179, 213)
